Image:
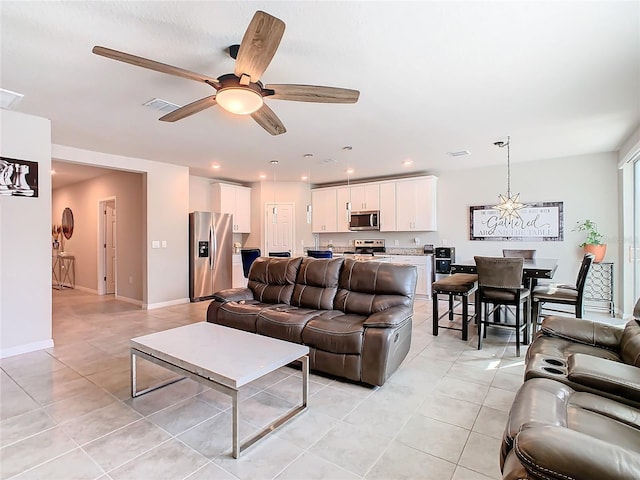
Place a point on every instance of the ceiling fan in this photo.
(242, 92)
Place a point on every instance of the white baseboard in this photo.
(152, 306)
(85, 289)
(26, 348)
(129, 300)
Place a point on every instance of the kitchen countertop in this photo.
(418, 251)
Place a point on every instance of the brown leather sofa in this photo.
(577, 416)
(355, 316)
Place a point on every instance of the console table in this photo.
(598, 291)
(63, 269)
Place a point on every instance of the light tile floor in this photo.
(66, 412)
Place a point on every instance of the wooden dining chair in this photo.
(562, 294)
(500, 283)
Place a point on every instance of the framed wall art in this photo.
(538, 221)
(18, 178)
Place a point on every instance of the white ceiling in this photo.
(562, 78)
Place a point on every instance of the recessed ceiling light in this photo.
(263, 176)
(407, 162)
(329, 160)
(9, 99)
(347, 148)
(274, 162)
(349, 171)
(308, 155)
(304, 177)
(215, 166)
(459, 153)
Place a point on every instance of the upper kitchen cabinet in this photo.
(365, 197)
(388, 207)
(416, 204)
(342, 219)
(233, 199)
(324, 207)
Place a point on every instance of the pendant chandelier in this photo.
(509, 206)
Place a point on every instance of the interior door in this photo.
(279, 235)
(110, 246)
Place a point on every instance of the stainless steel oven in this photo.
(368, 220)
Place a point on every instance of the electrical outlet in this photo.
(444, 242)
(302, 243)
(164, 244)
(155, 243)
(396, 242)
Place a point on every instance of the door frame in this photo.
(101, 260)
(268, 206)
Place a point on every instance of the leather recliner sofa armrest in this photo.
(583, 331)
(553, 452)
(391, 317)
(605, 375)
(233, 295)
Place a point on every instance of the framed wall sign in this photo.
(18, 178)
(538, 221)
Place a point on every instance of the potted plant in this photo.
(593, 243)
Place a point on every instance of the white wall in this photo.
(166, 208)
(25, 241)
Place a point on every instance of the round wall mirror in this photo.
(67, 223)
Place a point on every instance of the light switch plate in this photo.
(155, 243)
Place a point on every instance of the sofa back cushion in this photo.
(369, 287)
(317, 283)
(271, 279)
(630, 343)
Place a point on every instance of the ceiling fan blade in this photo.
(193, 107)
(153, 65)
(268, 120)
(258, 45)
(313, 93)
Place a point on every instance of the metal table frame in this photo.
(232, 392)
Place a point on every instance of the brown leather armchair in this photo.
(589, 356)
(556, 432)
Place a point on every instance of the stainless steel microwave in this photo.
(369, 220)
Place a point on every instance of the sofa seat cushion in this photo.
(285, 322)
(630, 343)
(335, 332)
(553, 347)
(242, 315)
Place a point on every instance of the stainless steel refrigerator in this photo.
(210, 250)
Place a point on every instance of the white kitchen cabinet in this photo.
(237, 272)
(424, 265)
(388, 207)
(342, 198)
(233, 199)
(323, 219)
(365, 197)
(416, 204)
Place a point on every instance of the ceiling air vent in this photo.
(459, 153)
(161, 105)
(9, 99)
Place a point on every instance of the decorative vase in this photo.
(598, 250)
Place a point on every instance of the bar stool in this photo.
(458, 284)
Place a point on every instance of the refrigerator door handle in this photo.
(214, 248)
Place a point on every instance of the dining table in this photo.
(532, 270)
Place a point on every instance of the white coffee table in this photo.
(224, 359)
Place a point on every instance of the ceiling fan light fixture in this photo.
(239, 100)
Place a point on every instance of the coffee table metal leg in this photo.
(236, 423)
(134, 392)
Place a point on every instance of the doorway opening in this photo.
(107, 246)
